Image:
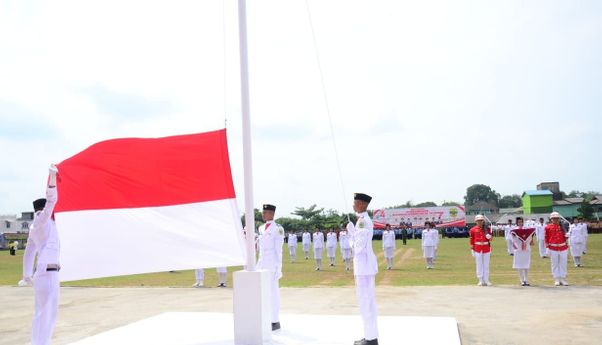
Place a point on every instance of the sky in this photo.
(425, 98)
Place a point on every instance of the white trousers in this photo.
(292, 250)
(199, 274)
(482, 260)
(330, 251)
(366, 298)
(543, 251)
(558, 259)
(510, 247)
(577, 249)
(275, 297)
(47, 290)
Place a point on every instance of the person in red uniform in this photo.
(555, 241)
(480, 243)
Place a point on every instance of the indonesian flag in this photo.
(524, 235)
(129, 206)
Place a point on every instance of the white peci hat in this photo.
(479, 217)
(554, 215)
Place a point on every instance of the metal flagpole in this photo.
(246, 135)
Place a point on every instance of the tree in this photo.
(258, 218)
(427, 204)
(480, 192)
(450, 203)
(308, 213)
(509, 201)
(586, 210)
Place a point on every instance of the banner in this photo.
(443, 216)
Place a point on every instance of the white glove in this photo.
(567, 235)
(26, 281)
(53, 169)
(472, 252)
(488, 236)
(350, 227)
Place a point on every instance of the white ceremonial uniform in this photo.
(508, 238)
(522, 258)
(540, 233)
(365, 268)
(584, 225)
(389, 243)
(345, 245)
(318, 241)
(43, 243)
(271, 240)
(306, 242)
(292, 246)
(429, 241)
(345, 248)
(577, 242)
(331, 245)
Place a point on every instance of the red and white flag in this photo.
(134, 205)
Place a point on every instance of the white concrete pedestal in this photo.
(252, 309)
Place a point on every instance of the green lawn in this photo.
(454, 266)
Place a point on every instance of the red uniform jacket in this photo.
(478, 242)
(555, 238)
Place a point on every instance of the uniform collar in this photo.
(361, 214)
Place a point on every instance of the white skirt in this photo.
(428, 251)
(389, 252)
(318, 252)
(330, 251)
(522, 259)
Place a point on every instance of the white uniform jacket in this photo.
(43, 240)
(577, 233)
(306, 238)
(292, 240)
(388, 239)
(364, 260)
(540, 231)
(318, 240)
(344, 240)
(331, 240)
(430, 238)
(270, 241)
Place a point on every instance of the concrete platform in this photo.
(190, 328)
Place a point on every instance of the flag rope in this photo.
(326, 104)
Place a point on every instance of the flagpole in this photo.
(246, 135)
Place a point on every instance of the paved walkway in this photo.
(495, 315)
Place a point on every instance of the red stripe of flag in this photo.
(136, 172)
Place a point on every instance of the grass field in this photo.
(454, 266)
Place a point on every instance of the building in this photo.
(537, 201)
(482, 207)
(13, 224)
(553, 187)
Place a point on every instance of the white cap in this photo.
(479, 217)
(554, 215)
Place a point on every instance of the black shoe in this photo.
(527, 284)
(221, 285)
(275, 326)
(366, 342)
(331, 265)
(359, 342)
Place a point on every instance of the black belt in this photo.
(53, 269)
